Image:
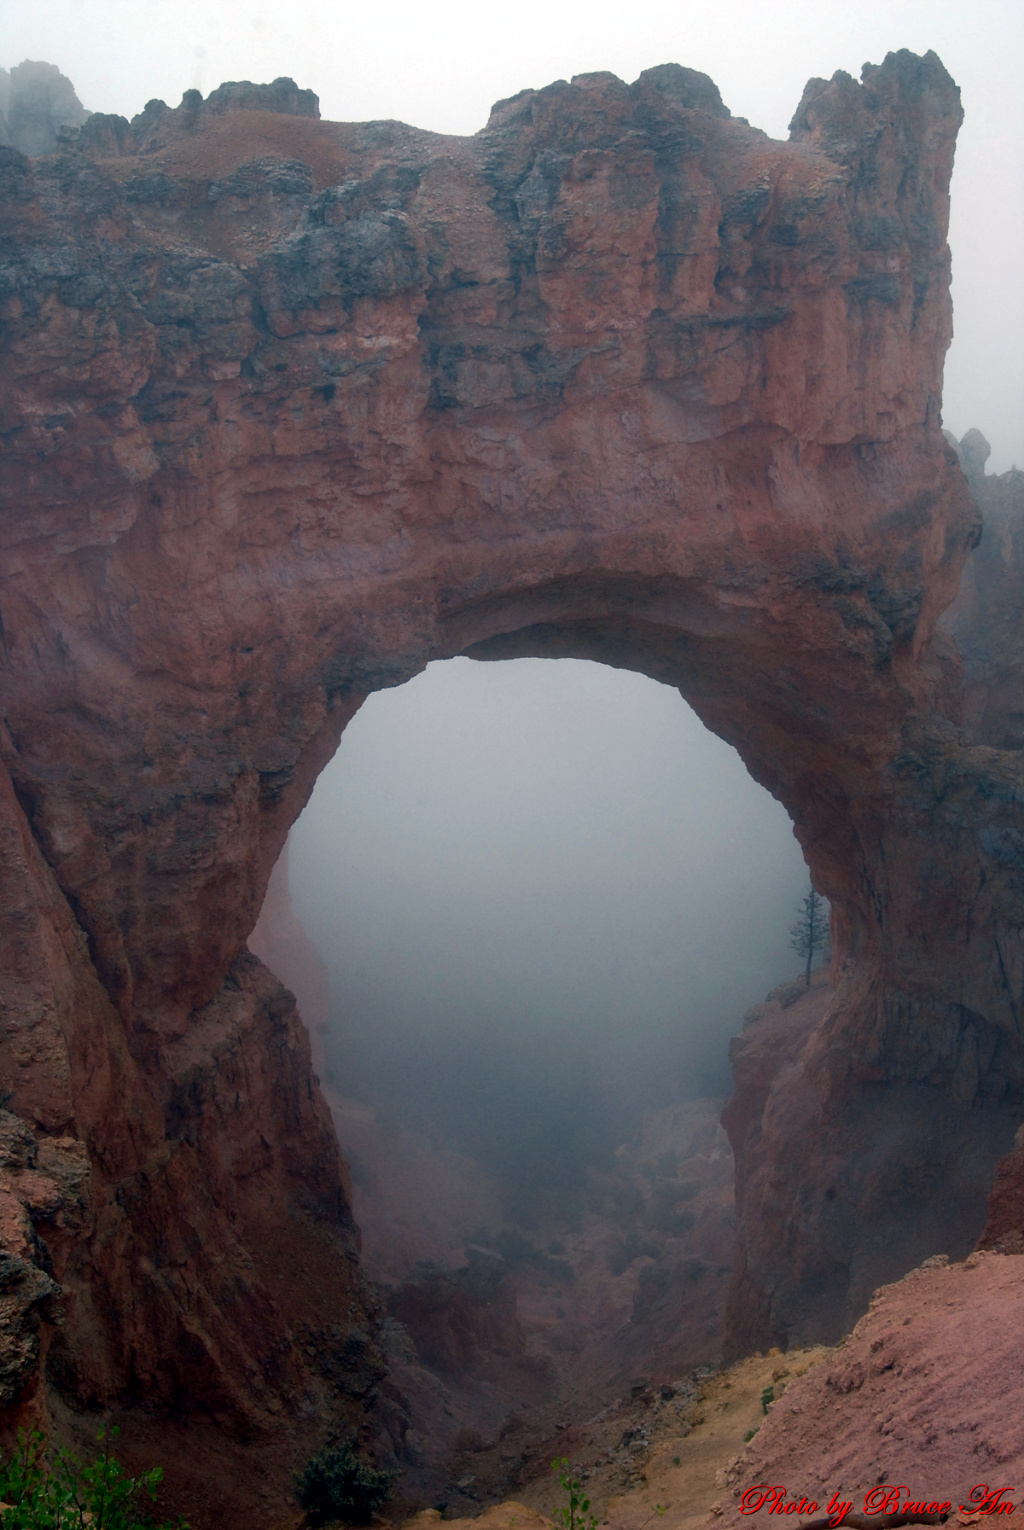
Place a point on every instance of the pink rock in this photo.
(923, 1396)
(291, 408)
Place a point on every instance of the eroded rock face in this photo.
(1004, 1229)
(292, 408)
(175, 1241)
(987, 618)
(924, 1394)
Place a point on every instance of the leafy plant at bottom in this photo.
(656, 1513)
(339, 1484)
(69, 1495)
(574, 1515)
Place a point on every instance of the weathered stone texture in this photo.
(291, 408)
(987, 618)
(924, 1396)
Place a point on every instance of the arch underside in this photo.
(888, 1147)
(619, 378)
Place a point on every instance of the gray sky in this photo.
(442, 65)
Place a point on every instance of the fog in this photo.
(545, 893)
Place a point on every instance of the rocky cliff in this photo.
(987, 623)
(176, 1242)
(291, 408)
(923, 1396)
(987, 618)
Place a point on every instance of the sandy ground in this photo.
(924, 1397)
(651, 1450)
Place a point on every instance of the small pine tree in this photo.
(810, 932)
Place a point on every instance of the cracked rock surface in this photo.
(291, 408)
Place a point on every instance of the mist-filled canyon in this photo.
(545, 894)
(456, 592)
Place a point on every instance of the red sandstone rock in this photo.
(291, 408)
(764, 1056)
(987, 622)
(987, 617)
(925, 1394)
(194, 1240)
(1004, 1229)
(280, 940)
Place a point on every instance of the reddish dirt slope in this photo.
(927, 1391)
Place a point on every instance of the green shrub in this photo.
(575, 1513)
(70, 1496)
(339, 1484)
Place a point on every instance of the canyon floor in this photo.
(660, 1446)
(924, 1396)
(499, 1336)
(653, 1449)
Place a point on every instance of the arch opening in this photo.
(544, 895)
(543, 879)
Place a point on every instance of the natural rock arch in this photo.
(293, 408)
